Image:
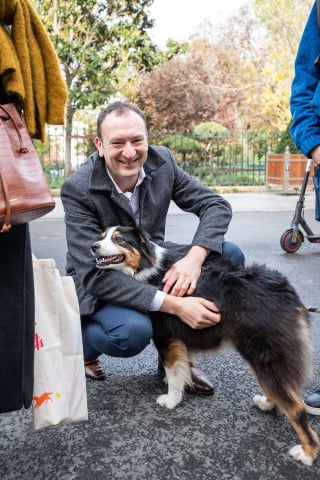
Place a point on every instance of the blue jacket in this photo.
(92, 204)
(305, 93)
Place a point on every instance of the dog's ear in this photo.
(146, 243)
(144, 236)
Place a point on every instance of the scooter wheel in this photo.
(286, 241)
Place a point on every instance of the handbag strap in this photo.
(21, 149)
(7, 218)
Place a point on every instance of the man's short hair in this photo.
(121, 108)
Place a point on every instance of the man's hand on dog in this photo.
(181, 279)
(194, 311)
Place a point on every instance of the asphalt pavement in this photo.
(129, 436)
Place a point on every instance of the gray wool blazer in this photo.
(92, 204)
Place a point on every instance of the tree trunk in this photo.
(67, 141)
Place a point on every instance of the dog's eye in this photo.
(118, 239)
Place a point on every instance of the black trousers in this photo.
(16, 319)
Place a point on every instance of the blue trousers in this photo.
(123, 332)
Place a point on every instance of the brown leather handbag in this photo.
(24, 192)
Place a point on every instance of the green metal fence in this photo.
(234, 159)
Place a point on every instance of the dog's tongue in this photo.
(110, 260)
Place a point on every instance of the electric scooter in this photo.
(291, 240)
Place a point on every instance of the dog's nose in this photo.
(94, 247)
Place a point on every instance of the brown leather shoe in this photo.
(201, 385)
(200, 382)
(93, 369)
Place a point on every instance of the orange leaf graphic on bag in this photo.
(44, 398)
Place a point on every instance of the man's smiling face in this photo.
(124, 145)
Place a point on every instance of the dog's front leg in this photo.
(177, 376)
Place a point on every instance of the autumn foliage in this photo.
(237, 74)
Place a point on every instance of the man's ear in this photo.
(99, 146)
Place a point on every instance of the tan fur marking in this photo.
(293, 412)
(310, 450)
(116, 233)
(177, 352)
(142, 238)
(132, 258)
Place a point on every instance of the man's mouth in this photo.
(128, 162)
(109, 260)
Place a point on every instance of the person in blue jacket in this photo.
(305, 110)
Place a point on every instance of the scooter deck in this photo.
(313, 238)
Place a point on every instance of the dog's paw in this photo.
(298, 454)
(263, 403)
(167, 401)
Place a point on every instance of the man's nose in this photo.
(129, 151)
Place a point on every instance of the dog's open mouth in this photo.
(109, 260)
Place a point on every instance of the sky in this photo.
(179, 19)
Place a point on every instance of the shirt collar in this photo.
(142, 175)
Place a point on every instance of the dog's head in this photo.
(129, 250)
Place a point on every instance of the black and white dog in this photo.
(262, 317)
